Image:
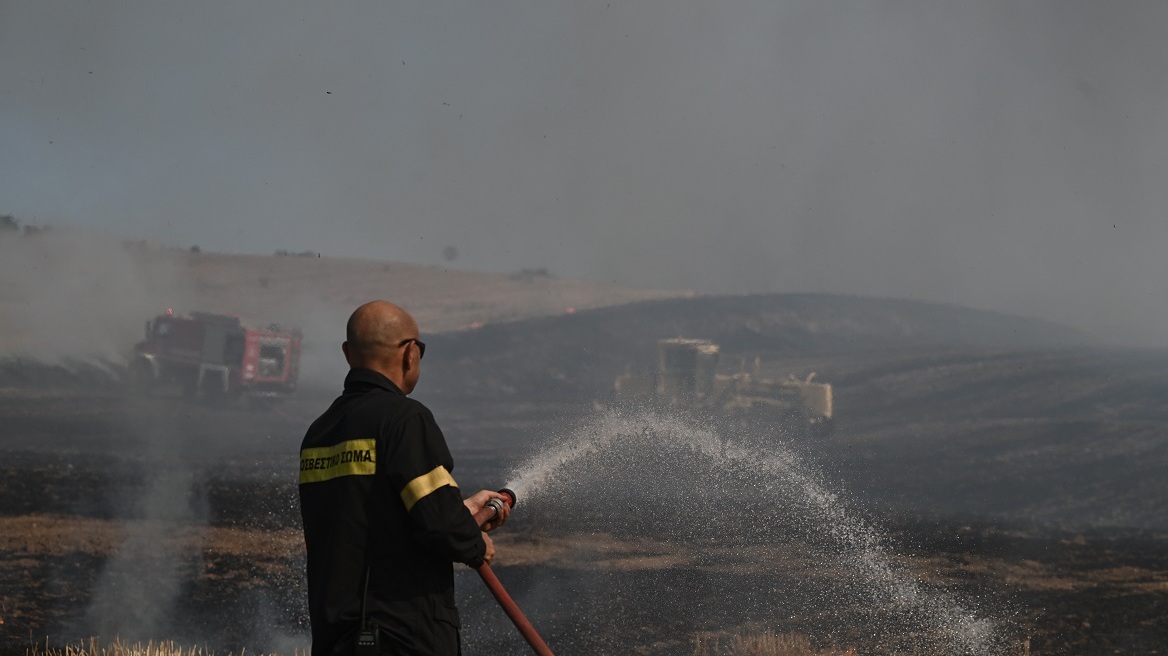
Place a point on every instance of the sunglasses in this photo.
(420, 343)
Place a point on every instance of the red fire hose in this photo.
(517, 618)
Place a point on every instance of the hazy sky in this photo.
(1008, 155)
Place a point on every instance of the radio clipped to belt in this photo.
(368, 641)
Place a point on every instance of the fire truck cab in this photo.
(214, 355)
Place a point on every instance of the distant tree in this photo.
(9, 222)
(196, 249)
(528, 275)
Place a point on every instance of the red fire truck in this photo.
(215, 356)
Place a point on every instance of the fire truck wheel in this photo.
(190, 387)
(213, 392)
(260, 403)
(140, 377)
(822, 429)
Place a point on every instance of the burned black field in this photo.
(1009, 467)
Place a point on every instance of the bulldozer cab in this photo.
(686, 369)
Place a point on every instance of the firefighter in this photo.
(383, 517)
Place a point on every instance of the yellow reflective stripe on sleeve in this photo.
(420, 487)
(350, 458)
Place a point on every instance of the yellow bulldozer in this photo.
(687, 376)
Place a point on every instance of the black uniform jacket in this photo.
(376, 492)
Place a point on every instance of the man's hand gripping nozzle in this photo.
(489, 511)
(496, 505)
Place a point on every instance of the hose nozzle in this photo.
(495, 506)
(510, 494)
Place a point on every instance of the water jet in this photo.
(636, 472)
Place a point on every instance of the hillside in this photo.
(1008, 462)
(582, 352)
(940, 410)
(77, 295)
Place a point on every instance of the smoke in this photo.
(997, 154)
(79, 294)
(137, 593)
(69, 295)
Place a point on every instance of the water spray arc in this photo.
(613, 451)
(509, 606)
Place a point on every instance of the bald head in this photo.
(374, 340)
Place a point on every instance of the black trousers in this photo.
(435, 638)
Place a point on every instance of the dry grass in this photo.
(760, 644)
(766, 643)
(705, 644)
(95, 647)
